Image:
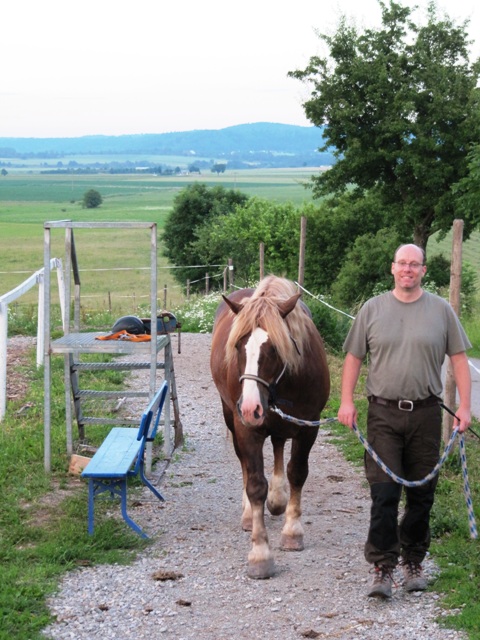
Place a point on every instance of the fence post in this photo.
(41, 319)
(207, 284)
(164, 296)
(450, 395)
(3, 357)
(38, 278)
(230, 272)
(262, 260)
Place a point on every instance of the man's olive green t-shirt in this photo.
(406, 343)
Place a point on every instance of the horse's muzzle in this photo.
(251, 415)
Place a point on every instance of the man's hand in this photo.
(463, 419)
(347, 414)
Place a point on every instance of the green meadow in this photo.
(114, 264)
(28, 200)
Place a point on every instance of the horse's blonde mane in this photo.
(261, 310)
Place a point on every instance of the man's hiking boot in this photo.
(414, 580)
(381, 586)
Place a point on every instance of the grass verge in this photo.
(43, 520)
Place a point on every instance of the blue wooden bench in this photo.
(120, 456)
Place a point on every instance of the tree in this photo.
(239, 235)
(367, 267)
(219, 167)
(332, 228)
(4, 172)
(467, 191)
(193, 207)
(92, 199)
(400, 106)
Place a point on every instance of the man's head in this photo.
(408, 268)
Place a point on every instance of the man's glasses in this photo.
(413, 265)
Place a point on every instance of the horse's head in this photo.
(260, 369)
(263, 350)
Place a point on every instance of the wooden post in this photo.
(450, 393)
(301, 257)
(225, 280)
(230, 273)
(164, 296)
(207, 284)
(262, 260)
(188, 289)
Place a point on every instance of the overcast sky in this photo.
(116, 67)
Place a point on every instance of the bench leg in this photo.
(133, 525)
(91, 502)
(114, 487)
(147, 483)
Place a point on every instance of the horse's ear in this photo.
(288, 305)
(234, 306)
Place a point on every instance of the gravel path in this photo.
(192, 583)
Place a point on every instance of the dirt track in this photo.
(199, 547)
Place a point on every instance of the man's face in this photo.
(407, 269)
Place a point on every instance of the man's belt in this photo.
(405, 405)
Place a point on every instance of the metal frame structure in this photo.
(74, 343)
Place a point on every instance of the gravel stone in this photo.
(198, 541)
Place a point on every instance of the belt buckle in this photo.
(405, 405)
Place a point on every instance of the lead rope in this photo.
(397, 479)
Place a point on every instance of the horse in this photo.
(266, 353)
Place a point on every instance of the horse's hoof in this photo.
(291, 543)
(276, 509)
(261, 570)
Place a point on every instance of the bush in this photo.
(92, 199)
(332, 325)
(197, 315)
(438, 270)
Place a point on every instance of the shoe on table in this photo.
(381, 586)
(414, 579)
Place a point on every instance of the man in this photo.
(407, 332)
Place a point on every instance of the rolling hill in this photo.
(241, 146)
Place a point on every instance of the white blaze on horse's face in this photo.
(251, 408)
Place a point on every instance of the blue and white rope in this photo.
(397, 479)
(418, 483)
(466, 490)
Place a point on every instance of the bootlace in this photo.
(414, 568)
(383, 572)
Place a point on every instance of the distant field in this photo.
(28, 200)
(131, 191)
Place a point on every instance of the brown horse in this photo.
(266, 352)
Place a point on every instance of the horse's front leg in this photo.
(277, 488)
(292, 532)
(297, 472)
(247, 517)
(261, 564)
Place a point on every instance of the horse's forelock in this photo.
(261, 310)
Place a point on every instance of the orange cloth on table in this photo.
(124, 335)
